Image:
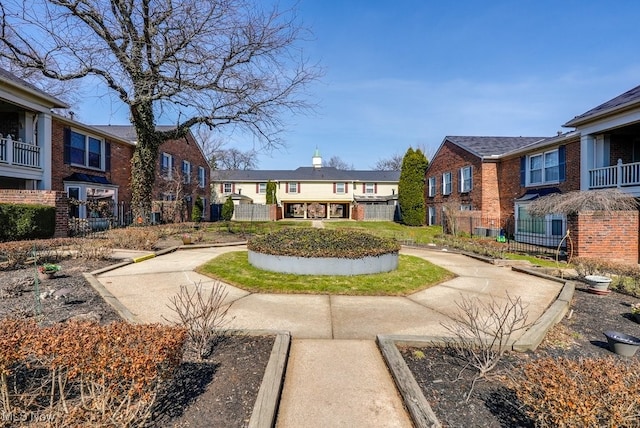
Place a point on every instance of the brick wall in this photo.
(42, 197)
(184, 149)
(508, 172)
(119, 174)
(450, 158)
(605, 235)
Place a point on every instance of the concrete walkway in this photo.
(335, 375)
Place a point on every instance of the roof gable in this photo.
(10, 79)
(621, 102)
(491, 146)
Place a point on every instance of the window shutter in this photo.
(334, 187)
(299, 188)
(346, 188)
(562, 163)
(66, 137)
(375, 188)
(364, 188)
(221, 187)
(233, 187)
(107, 156)
(286, 187)
(523, 171)
(257, 187)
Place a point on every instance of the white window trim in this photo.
(543, 179)
(292, 187)
(82, 195)
(341, 187)
(186, 172)
(86, 151)
(447, 179)
(167, 171)
(202, 177)
(262, 188)
(466, 185)
(369, 188)
(432, 186)
(224, 188)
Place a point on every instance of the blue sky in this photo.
(409, 72)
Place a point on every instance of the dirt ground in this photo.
(219, 392)
(445, 382)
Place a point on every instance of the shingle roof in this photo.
(492, 146)
(127, 132)
(306, 174)
(629, 98)
(15, 80)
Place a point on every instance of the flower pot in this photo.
(598, 284)
(186, 240)
(622, 344)
(46, 275)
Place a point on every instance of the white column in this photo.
(44, 142)
(586, 159)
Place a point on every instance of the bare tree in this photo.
(338, 163)
(215, 63)
(394, 163)
(234, 159)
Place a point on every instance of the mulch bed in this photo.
(220, 391)
(445, 382)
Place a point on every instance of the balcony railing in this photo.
(619, 175)
(16, 152)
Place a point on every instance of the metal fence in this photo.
(526, 235)
(96, 226)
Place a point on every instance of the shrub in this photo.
(26, 221)
(135, 238)
(87, 374)
(588, 392)
(411, 188)
(312, 242)
(227, 210)
(198, 208)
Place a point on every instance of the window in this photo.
(186, 172)
(544, 168)
(293, 187)
(86, 150)
(446, 183)
(369, 188)
(432, 216)
(74, 195)
(432, 186)
(166, 166)
(262, 188)
(227, 188)
(202, 176)
(466, 179)
(340, 188)
(546, 231)
(92, 202)
(466, 207)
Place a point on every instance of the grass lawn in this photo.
(389, 229)
(413, 274)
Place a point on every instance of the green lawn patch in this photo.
(390, 229)
(413, 274)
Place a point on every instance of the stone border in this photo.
(324, 265)
(265, 408)
(414, 400)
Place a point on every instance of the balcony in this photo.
(19, 153)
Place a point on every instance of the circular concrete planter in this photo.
(324, 265)
(598, 284)
(622, 344)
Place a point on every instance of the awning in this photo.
(533, 194)
(87, 178)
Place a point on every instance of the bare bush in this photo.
(593, 392)
(483, 332)
(203, 314)
(134, 238)
(578, 201)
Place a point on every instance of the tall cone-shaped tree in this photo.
(190, 62)
(411, 188)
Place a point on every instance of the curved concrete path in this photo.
(335, 375)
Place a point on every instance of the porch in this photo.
(19, 153)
